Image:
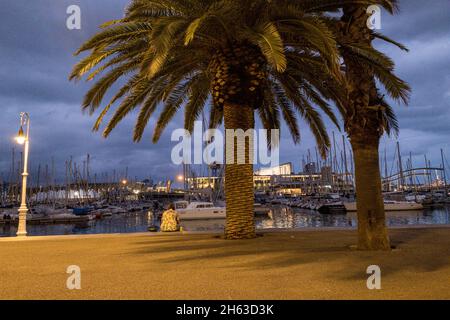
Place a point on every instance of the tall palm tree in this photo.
(236, 57)
(367, 115)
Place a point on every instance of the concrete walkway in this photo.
(278, 265)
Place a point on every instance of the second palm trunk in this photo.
(372, 231)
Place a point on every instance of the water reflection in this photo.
(282, 218)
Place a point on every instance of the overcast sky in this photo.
(36, 53)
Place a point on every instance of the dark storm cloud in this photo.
(36, 50)
(37, 55)
(418, 20)
(424, 27)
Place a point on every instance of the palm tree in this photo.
(367, 115)
(234, 58)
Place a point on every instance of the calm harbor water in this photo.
(282, 218)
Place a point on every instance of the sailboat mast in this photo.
(386, 181)
(345, 161)
(444, 174)
(334, 163)
(400, 166)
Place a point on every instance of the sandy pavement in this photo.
(277, 265)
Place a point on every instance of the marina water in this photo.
(283, 218)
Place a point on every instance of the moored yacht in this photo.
(207, 210)
(390, 205)
(199, 210)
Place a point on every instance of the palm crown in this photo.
(274, 55)
(354, 47)
(280, 56)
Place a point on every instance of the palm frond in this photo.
(117, 33)
(266, 36)
(398, 89)
(389, 40)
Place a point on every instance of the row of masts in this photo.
(403, 175)
(338, 161)
(77, 185)
(81, 185)
(412, 177)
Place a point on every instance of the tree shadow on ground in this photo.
(421, 250)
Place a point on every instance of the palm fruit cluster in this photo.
(239, 75)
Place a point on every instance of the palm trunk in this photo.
(364, 129)
(239, 192)
(372, 231)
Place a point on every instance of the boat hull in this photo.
(401, 206)
(81, 211)
(202, 215)
(201, 211)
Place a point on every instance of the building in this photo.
(283, 169)
(282, 181)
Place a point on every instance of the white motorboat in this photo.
(390, 205)
(207, 210)
(199, 210)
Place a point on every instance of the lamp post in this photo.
(22, 138)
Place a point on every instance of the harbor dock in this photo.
(48, 220)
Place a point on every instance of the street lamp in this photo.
(22, 138)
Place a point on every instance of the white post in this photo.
(23, 210)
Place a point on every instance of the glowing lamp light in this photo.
(180, 178)
(124, 181)
(20, 139)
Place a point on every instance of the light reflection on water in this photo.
(285, 218)
(282, 218)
